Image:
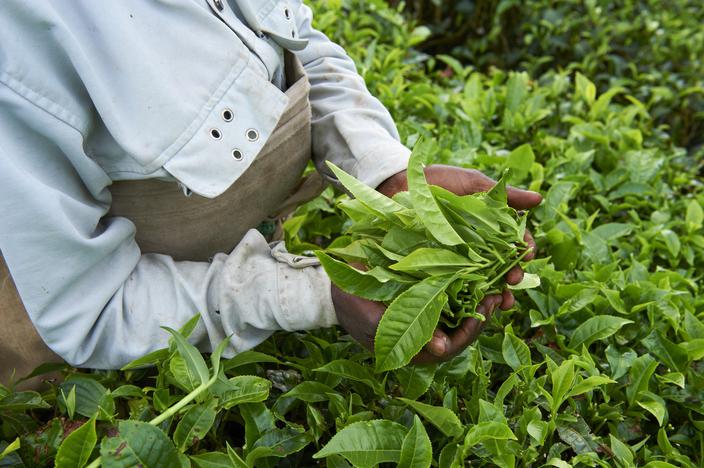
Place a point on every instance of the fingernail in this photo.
(481, 310)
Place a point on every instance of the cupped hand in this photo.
(360, 317)
(466, 182)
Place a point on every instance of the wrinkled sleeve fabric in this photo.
(91, 294)
(351, 128)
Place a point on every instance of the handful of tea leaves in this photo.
(427, 253)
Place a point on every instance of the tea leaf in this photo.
(424, 203)
(409, 322)
(440, 417)
(416, 451)
(138, 443)
(367, 443)
(77, 447)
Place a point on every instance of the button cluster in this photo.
(252, 134)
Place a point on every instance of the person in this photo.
(140, 145)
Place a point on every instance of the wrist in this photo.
(394, 184)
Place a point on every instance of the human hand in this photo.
(360, 317)
(465, 182)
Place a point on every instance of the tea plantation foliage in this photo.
(597, 105)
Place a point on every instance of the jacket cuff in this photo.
(381, 162)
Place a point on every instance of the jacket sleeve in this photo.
(93, 297)
(351, 128)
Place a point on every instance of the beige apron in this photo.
(189, 227)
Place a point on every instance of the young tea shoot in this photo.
(430, 255)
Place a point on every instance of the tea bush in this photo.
(599, 366)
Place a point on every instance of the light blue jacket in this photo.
(92, 92)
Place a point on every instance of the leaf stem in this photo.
(507, 269)
(176, 407)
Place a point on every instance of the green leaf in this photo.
(235, 459)
(248, 357)
(659, 464)
(148, 360)
(278, 443)
(11, 448)
(695, 216)
(432, 261)
(612, 231)
(194, 425)
(694, 349)
(654, 405)
(409, 322)
(127, 391)
(487, 430)
(596, 328)
(70, 401)
(672, 242)
(92, 398)
(379, 204)
(521, 158)
(188, 327)
(424, 202)
(562, 378)
(515, 352)
(367, 443)
(585, 88)
(516, 91)
(182, 374)
(415, 379)
(590, 383)
(529, 281)
(138, 444)
(416, 450)
(258, 419)
(538, 430)
(310, 392)
(442, 418)
(245, 389)
(353, 371)
(578, 302)
(622, 452)
(191, 356)
(22, 401)
(475, 211)
(76, 449)
(640, 372)
(214, 460)
(356, 282)
(670, 354)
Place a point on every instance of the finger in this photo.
(464, 335)
(507, 299)
(470, 329)
(515, 275)
(528, 237)
(437, 346)
(522, 199)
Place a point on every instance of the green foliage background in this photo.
(597, 105)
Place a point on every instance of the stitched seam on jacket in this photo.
(34, 97)
(265, 11)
